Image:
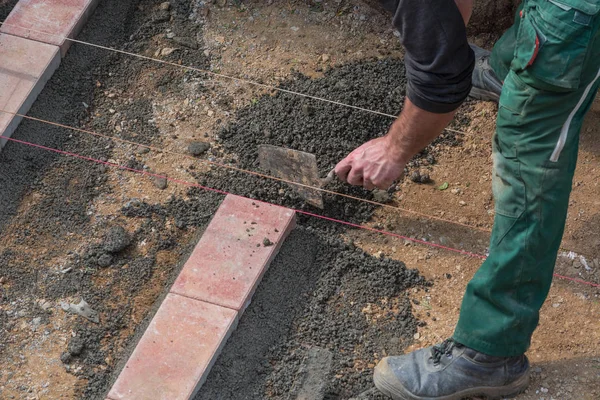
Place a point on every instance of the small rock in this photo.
(420, 177)
(35, 323)
(379, 254)
(105, 260)
(143, 150)
(165, 6)
(308, 110)
(417, 336)
(456, 191)
(2, 280)
(267, 242)
(83, 309)
(170, 35)
(198, 148)
(65, 357)
(325, 58)
(167, 51)
(76, 346)
(381, 196)
(116, 240)
(160, 182)
(462, 203)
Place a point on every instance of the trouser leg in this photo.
(547, 91)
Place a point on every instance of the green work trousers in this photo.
(549, 61)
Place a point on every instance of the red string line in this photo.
(192, 184)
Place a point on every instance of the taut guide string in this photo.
(223, 192)
(249, 82)
(264, 86)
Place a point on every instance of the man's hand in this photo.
(372, 165)
(379, 162)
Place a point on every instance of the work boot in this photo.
(486, 86)
(451, 371)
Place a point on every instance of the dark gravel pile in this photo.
(329, 131)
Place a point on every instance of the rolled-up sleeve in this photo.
(438, 59)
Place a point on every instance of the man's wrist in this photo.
(396, 150)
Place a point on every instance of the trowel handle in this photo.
(329, 178)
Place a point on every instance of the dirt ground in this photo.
(59, 217)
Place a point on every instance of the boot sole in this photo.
(485, 95)
(491, 393)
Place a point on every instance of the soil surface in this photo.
(320, 293)
(72, 230)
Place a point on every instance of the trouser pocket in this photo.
(553, 42)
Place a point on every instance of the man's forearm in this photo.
(414, 129)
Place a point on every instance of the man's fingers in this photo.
(355, 177)
(342, 169)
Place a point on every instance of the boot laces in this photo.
(443, 349)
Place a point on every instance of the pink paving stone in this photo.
(49, 21)
(230, 258)
(25, 67)
(174, 356)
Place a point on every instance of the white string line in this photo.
(215, 74)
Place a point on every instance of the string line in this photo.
(215, 74)
(250, 172)
(223, 192)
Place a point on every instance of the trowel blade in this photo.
(295, 166)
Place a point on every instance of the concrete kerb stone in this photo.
(25, 67)
(49, 21)
(27, 58)
(176, 352)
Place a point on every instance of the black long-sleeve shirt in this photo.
(439, 61)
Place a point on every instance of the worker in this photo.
(544, 72)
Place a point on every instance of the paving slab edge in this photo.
(30, 98)
(287, 221)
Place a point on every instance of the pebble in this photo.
(104, 260)
(267, 242)
(143, 150)
(381, 196)
(420, 177)
(116, 239)
(198, 148)
(167, 51)
(161, 183)
(462, 203)
(35, 323)
(165, 6)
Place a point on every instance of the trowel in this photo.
(295, 166)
